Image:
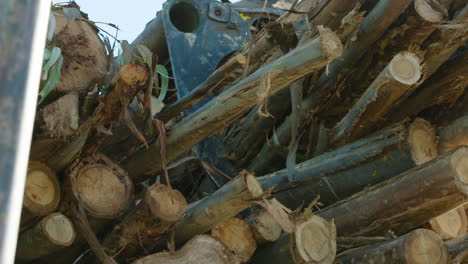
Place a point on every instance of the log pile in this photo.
(349, 145)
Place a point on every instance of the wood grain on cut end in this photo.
(165, 203)
(422, 140)
(450, 225)
(315, 240)
(252, 184)
(330, 42)
(423, 246)
(431, 11)
(105, 191)
(406, 68)
(42, 190)
(59, 229)
(265, 227)
(237, 236)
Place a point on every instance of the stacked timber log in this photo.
(349, 143)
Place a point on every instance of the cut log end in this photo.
(59, 229)
(165, 203)
(252, 184)
(105, 192)
(406, 68)
(315, 240)
(450, 225)
(424, 246)
(42, 190)
(238, 237)
(422, 140)
(427, 10)
(265, 227)
(330, 43)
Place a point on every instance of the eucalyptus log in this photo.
(313, 242)
(444, 86)
(403, 71)
(453, 135)
(226, 202)
(371, 29)
(450, 225)
(41, 193)
(113, 106)
(101, 186)
(329, 14)
(61, 118)
(419, 246)
(349, 169)
(237, 236)
(228, 106)
(53, 233)
(200, 249)
(405, 201)
(415, 26)
(141, 228)
(85, 60)
(265, 227)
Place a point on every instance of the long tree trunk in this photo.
(348, 170)
(53, 233)
(406, 201)
(394, 81)
(419, 246)
(313, 242)
(371, 29)
(232, 103)
(228, 201)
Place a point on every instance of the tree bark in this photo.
(237, 236)
(313, 242)
(228, 201)
(41, 193)
(232, 103)
(139, 231)
(457, 245)
(53, 233)
(454, 135)
(200, 249)
(61, 118)
(347, 170)
(403, 71)
(403, 203)
(444, 86)
(419, 246)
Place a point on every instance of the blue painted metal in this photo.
(195, 55)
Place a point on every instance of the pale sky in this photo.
(130, 16)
